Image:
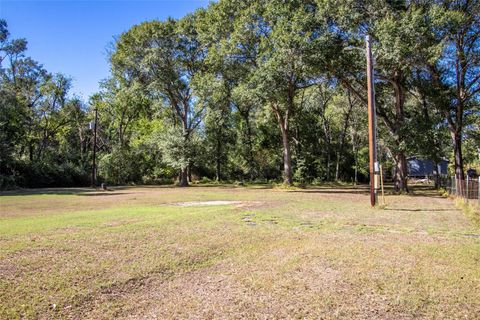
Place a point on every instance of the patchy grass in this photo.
(471, 209)
(270, 253)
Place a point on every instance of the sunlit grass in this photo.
(280, 253)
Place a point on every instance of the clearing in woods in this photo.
(166, 252)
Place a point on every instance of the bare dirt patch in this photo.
(237, 204)
(207, 203)
(236, 253)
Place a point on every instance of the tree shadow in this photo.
(102, 194)
(48, 191)
(233, 186)
(335, 189)
(432, 194)
(330, 191)
(418, 191)
(420, 210)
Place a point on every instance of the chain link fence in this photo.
(468, 189)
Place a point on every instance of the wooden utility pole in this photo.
(94, 167)
(372, 139)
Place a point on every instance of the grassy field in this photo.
(161, 252)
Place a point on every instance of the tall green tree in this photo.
(35, 113)
(396, 28)
(287, 43)
(164, 57)
(455, 77)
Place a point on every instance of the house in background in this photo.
(472, 173)
(421, 168)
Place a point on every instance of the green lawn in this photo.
(313, 253)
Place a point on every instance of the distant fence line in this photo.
(468, 189)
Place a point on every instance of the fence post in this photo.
(454, 185)
(466, 188)
(457, 186)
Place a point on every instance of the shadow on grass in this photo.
(330, 191)
(233, 186)
(328, 188)
(48, 191)
(334, 189)
(112, 189)
(101, 194)
(423, 191)
(420, 210)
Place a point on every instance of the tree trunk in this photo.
(355, 158)
(287, 160)
(400, 178)
(328, 164)
(183, 179)
(337, 166)
(247, 133)
(436, 175)
(252, 170)
(184, 173)
(342, 139)
(327, 149)
(298, 149)
(355, 177)
(328, 142)
(457, 148)
(189, 170)
(218, 164)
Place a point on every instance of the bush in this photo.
(120, 167)
(157, 180)
(42, 174)
(8, 182)
(205, 180)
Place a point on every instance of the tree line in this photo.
(254, 91)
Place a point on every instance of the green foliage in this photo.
(252, 90)
(177, 152)
(118, 167)
(42, 140)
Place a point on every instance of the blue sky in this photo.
(72, 37)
